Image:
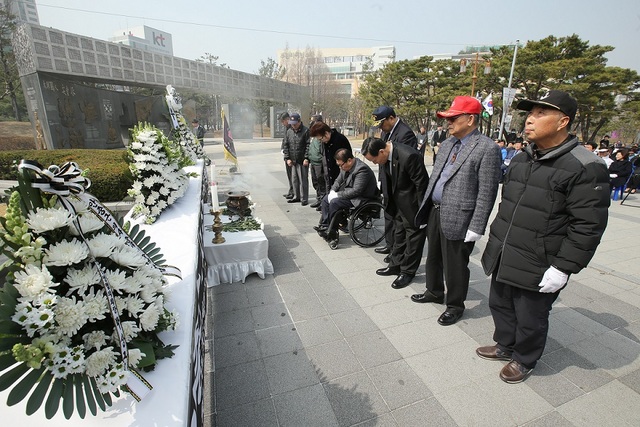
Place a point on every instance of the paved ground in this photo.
(325, 341)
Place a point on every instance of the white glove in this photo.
(332, 195)
(613, 175)
(472, 236)
(553, 280)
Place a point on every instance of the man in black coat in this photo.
(406, 180)
(396, 131)
(438, 138)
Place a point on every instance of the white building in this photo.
(345, 65)
(24, 10)
(145, 38)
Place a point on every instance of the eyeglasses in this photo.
(342, 164)
(454, 118)
(377, 123)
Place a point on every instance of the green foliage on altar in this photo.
(108, 170)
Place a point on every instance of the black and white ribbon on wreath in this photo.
(66, 181)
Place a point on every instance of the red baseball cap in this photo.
(462, 105)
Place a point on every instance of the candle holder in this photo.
(217, 228)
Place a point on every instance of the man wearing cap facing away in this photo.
(456, 206)
(296, 154)
(394, 130)
(552, 215)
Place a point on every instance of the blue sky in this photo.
(242, 33)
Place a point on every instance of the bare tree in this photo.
(8, 69)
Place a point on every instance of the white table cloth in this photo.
(242, 253)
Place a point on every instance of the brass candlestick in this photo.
(217, 228)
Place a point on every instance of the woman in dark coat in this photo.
(620, 169)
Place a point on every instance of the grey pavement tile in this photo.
(610, 312)
(306, 308)
(342, 266)
(627, 348)
(552, 386)
(379, 293)
(279, 339)
(551, 345)
(632, 380)
(308, 406)
(222, 288)
(263, 295)
(564, 334)
(254, 281)
(240, 384)
(552, 419)
(453, 365)
(373, 349)
(602, 356)
(613, 404)
(289, 278)
(428, 412)
(317, 331)
(354, 399)
(577, 369)
(422, 336)
(289, 371)
(385, 420)
(398, 384)
(267, 316)
(261, 413)
(232, 322)
(325, 284)
(229, 301)
(479, 409)
(631, 331)
(296, 289)
(333, 360)
(580, 322)
(234, 349)
(353, 322)
(399, 312)
(337, 301)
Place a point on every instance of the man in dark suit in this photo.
(393, 130)
(405, 181)
(355, 185)
(438, 138)
(456, 206)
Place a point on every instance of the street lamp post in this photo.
(474, 78)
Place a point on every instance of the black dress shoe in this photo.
(288, 196)
(426, 297)
(293, 200)
(320, 228)
(314, 204)
(402, 281)
(449, 318)
(388, 271)
(319, 209)
(387, 259)
(383, 250)
(305, 203)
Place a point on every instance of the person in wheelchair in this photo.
(355, 185)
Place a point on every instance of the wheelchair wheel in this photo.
(366, 224)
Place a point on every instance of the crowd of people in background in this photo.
(449, 210)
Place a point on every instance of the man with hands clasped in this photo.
(552, 215)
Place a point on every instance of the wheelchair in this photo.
(364, 224)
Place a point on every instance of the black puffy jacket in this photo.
(553, 211)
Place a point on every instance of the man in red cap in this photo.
(456, 206)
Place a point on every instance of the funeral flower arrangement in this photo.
(83, 302)
(181, 132)
(156, 164)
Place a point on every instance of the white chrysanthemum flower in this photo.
(135, 356)
(48, 219)
(99, 362)
(40, 320)
(164, 191)
(113, 380)
(66, 253)
(135, 145)
(137, 186)
(132, 284)
(95, 339)
(96, 305)
(121, 304)
(129, 257)
(148, 294)
(116, 279)
(69, 315)
(149, 319)
(88, 223)
(79, 280)
(34, 281)
(131, 330)
(134, 306)
(103, 244)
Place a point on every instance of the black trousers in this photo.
(521, 318)
(408, 244)
(329, 210)
(288, 169)
(447, 260)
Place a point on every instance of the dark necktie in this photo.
(454, 151)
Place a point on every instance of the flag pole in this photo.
(505, 108)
